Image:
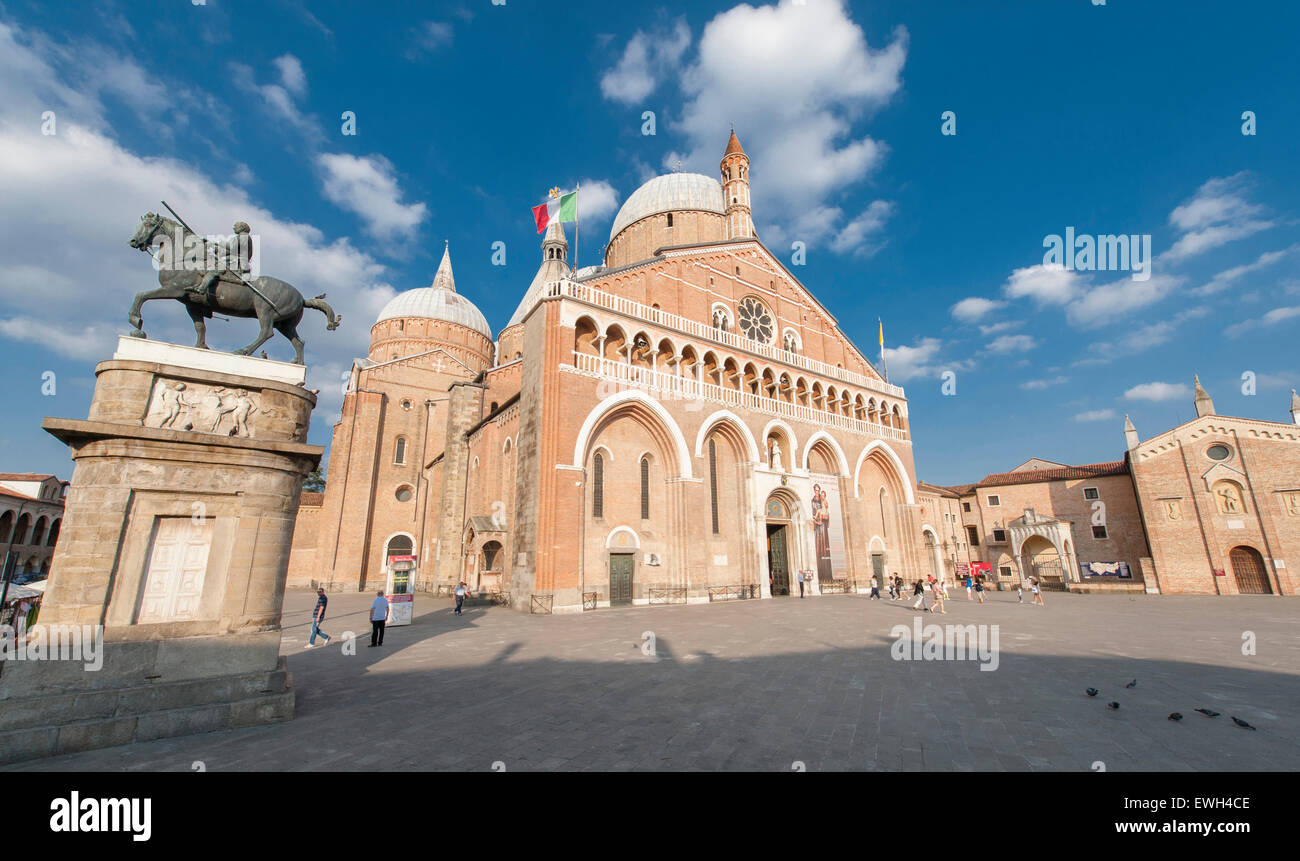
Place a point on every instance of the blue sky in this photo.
(1123, 118)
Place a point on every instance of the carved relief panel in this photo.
(224, 410)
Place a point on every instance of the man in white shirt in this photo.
(378, 616)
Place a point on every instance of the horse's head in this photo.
(150, 224)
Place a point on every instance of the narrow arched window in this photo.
(713, 482)
(645, 488)
(598, 486)
(670, 219)
(399, 453)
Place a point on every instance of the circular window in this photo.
(406, 405)
(1218, 452)
(404, 493)
(755, 320)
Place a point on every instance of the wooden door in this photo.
(1248, 567)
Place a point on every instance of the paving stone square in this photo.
(772, 685)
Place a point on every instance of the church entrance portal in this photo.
(778, 562)
(621, 568)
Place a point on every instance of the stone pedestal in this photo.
(176, 542)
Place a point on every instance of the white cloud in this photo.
(1217, 214)
(1277, 315)
(795, 79)
(367, 186)
(292, 77)
(860, 234)
(87, 190)
(908, 363)
(1224, 279)
(1107, 302)
(1003, 326)
(1011, 344)
(428, 38)
(1158, 392)
(973, 308)
(1095, 416)
(1045, 283)
(597, 198)
(1037, 385)
(647, 58)
(280, 99)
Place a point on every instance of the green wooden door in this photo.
(621, 567)
(777, 562)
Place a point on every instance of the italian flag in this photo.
(561, 209)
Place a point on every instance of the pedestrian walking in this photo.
(875, 586)
(968, 585)
(919, 591)
(940, 594)
(318, 616)
(801, 579)
(979, 589)
(1020, 593)
(461, 592)
(378, 616)
(898, 586)
(1038, 592)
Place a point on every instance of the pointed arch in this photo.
(890, 455)
(735, 421)
(634, 399)
(834, 445)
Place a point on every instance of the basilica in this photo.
(683, 423)
(687, 423)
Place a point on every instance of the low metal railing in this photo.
(667, 595)
(735, 592)
(542, 605)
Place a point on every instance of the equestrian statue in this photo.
(214, 280)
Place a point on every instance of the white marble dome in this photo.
(438, 301)
(671, 192)
(434, 303)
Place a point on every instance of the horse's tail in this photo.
(320, 305)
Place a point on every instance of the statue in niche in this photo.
(776, 456)
(1228, 498)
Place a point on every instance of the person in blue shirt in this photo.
(318, 616)
(378, 616)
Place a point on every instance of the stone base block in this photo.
(37, 726)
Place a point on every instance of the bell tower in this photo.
(735, 190)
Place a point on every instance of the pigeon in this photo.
(1132, 684)
(1112, 705)
(1175, 716)
(1241, 723)
(1208, 713)
(1092, 692)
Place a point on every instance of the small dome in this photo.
(439, 301)
(671, 192)
(436, 304)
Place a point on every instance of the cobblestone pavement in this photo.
(773, 685)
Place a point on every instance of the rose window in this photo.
(756, 321)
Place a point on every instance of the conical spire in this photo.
(733, 145)
(1204, 406)
(1130, 433)
(444, 280)
(1295, 407)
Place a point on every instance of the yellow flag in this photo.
(882, 332)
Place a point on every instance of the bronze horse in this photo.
(276, 304)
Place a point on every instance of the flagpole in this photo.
(573, 270)
(883, 366)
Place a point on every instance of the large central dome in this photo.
(672, 192)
